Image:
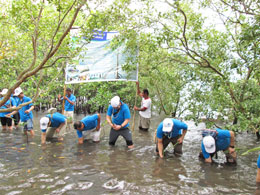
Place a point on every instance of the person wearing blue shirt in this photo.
(170, 130)
(258, 170)
(5, 119)
(51, 124)
(118, 116)
(70, 100)
(223, 141)
(25, 112)
(16, 116)
(91, 125)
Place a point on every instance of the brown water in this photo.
(66, 168)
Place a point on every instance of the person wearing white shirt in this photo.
(145, 109)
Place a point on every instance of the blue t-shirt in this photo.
(90, 122)
(222, 142)
(16, 99)
(177, 127)
(24, 116)
(119, 117)
(68, 106)
(57, 119)
(258, 162)
(7, 105)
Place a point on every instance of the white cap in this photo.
(209, 144)
(4, 91)
(115, 101)
(167, 125)
(52, 110)
(17, 91)
(44, 123)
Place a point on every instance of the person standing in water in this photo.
(145, 109)
(70, 101)
(5, 119)
(25, 112)
(118, 116)
(16, 116)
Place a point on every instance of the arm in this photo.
(29, 110)
(208, 160)
(98, 122)
(80, 141)
(138, 89)
(231, 148)
(108, 118)
(59, 128)
(43, 137)
(180, 140)
(59, 98)
(160, 147)
(71, 102)
(140, 109)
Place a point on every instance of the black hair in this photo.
(77, 125)
(146, 91)
(69, 89)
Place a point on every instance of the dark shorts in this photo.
(6, 121)
(124, 132)
(166, 141)
(29, 125)
(16, 118)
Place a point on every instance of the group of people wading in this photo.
(170, 130)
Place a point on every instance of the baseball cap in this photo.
(4, 91)
(209, 144)
(167, 125)
(52, 110)
(115, 101)
(17, 91)
(44, 123)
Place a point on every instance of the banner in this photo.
(98, 62)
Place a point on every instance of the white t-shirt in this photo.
(147, 104)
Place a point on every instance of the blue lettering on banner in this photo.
(99, 36)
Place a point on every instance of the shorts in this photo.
(166, 141)
(16, 118)
(144, 123)
(124, 132)
(93, 134)
(29, 125)
(69, 114)
(6, 121)
(52, 130)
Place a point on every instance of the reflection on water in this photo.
(26, 167)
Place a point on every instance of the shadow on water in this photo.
(26, 167)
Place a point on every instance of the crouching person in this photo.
(90, 124)
(51, 124)
(218, 140)
(170, 131)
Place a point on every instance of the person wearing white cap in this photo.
(170, 130)
(16, 116)
(224, 140)
(51, 124)
(25, 112)
(145, 109)
(118, 116)
(5, 119)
